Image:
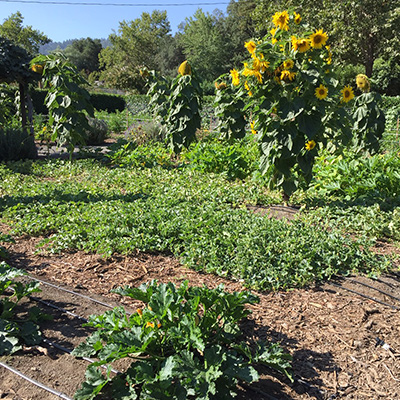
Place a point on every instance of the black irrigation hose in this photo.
(70, 291)
(374, 288)
(46, 303)
(33, 381)
(68, 351)
(365, 296)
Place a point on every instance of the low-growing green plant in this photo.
(200, 218)
(366, 180)
(117, 121)
(184, 343)
(127, 153)
(14, 329)
(236, 160)
(5, 239)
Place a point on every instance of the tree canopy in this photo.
(28, 38)
(134, 46)
(84, 54)
(359, 31)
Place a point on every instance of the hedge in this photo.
(100, 101)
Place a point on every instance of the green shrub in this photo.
(16, 144)
(107, 102)
(97, 131)
(386, 76)
(145, 132)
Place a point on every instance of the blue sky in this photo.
(62, 22)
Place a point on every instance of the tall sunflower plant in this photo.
(295, 101)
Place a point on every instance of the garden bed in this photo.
(331, 332)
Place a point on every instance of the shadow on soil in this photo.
(307, 365)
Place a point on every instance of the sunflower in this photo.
(362, 82)
(321, 92)
(259, 63)
(185, 69)
(235, 77)
(300, 45)
(329, 58)
(281, 20)
(287, 75)
(253, 131)
(310, 145)
(250, 46)
(297, 18)
(347, 94)
(247, 87)
(318, 39)
(220, 86)
(288, 64)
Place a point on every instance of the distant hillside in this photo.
(49, 47)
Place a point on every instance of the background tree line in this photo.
(364, 36)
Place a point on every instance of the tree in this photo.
(28, 38)
(84, 54)
(206, 44)
(359, 31)
(169, 56)
(240, 27)
(134, 47)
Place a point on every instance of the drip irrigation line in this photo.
(365, 296)
(46, 303)
(68, 351)
(374, 288)
(34, 382)
(71, 292)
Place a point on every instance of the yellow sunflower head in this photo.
(297, 18)
(362, 82)
(281, 20)
(310, 145)
(250, 46)
(253, 131)
(247, 87)
(318, 39)
(287, 75)
(220, 86)
(347, 94)
(288, 64)
(300, 45)
(235, 77)
(185, 68)
(321, 92)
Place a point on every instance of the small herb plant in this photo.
(184, 343)
(14, 331)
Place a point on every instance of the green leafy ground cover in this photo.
(199, 217)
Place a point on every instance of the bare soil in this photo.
(344, 336)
